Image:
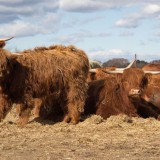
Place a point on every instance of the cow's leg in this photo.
(25, 111)
(5, 106)
(37, 106)
(73, 114)
(75, 105)
(66, 118)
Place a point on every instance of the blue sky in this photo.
(104, 29)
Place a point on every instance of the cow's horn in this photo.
(93, 70)
(6, 39)
(131, 64)
(118, 70)
(152, 72)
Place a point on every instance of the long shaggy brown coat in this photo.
(56, 75)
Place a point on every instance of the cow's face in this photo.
(150, 89)
(131, 81)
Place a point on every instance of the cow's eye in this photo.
(117, 87)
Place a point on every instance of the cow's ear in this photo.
(145, 80)
(148, 77)
(117, 87)
(2, 44)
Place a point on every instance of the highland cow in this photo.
(114, 95)
(55, 75)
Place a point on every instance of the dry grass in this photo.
(118, 137)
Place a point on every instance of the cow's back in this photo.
(47, 70)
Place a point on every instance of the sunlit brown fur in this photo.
(56, 74)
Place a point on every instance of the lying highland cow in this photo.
(122, 94)
(56, 74)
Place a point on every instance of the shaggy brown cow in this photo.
(113, 95)
(54, 75)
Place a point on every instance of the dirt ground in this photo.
(120, 137)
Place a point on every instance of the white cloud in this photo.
(20, 28)
(25, 18)
(128, 23)
(80, 36)
(96, 5)
(103, 55)
(115, 51)
(83, 6)
(133, 20)
(151, 9)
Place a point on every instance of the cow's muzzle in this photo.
(134, 92)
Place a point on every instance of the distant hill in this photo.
(155, 61)
(116, 62)
(122, 63)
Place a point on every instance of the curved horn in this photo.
(121, 71)
(6, 39)
(131, 64)
(93, 70)
(152, 72)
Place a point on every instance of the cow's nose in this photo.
(134, 92)
(138, 91)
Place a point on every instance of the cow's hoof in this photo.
(67, 119)
(22, 121)
(73, 121)
(158, 118)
